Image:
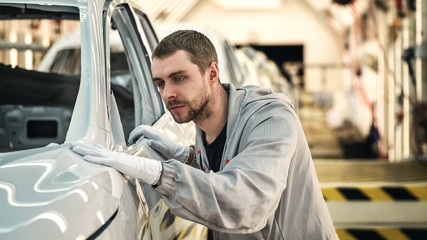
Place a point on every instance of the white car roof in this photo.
(71, 40)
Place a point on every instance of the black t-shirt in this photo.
(214, 153)
(215, 149)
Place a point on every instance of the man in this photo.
(252, 175)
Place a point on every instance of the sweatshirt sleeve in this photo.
(241, 197)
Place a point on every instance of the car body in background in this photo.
(263, 69)
(254, 76)
(46, 190)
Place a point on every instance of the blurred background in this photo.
(346, 64)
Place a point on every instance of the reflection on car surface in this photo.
(95, 92)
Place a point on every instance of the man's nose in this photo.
(169, 92)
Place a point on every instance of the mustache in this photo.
(175, 102)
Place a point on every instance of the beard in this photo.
(197, 108)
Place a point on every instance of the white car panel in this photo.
(49, 192)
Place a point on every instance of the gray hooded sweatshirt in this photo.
(266, 187)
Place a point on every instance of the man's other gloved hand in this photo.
(148, 170)
(169, 149)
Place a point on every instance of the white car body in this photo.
(263, 69)
(46, 190)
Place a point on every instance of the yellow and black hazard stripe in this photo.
(383, 234)
(368, 193)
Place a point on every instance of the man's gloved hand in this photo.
(169, 149)
(148, 170)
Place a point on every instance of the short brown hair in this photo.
(197, 45)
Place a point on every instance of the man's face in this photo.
(183, 88)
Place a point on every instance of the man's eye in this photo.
(178, 79)
(160, 84)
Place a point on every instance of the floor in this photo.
(368, 171)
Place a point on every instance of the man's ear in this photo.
(213, 71)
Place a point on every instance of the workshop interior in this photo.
(356, 71)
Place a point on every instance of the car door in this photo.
(137, 101)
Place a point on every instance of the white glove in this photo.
(169, 149)
(148, 170)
